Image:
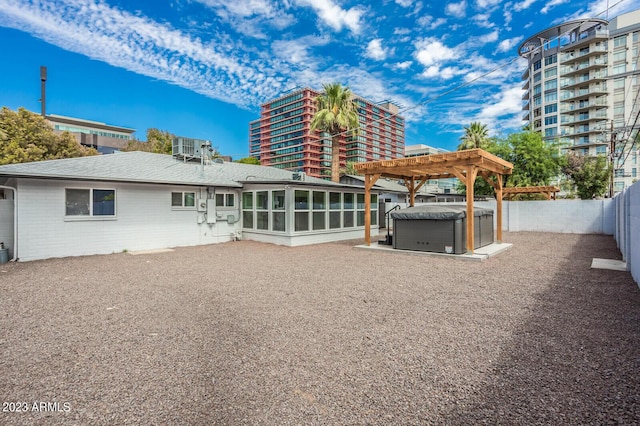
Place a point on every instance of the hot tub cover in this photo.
(438, 212)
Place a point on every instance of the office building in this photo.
(103, 137)
(282, 136)
(581, 88)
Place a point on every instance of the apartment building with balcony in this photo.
(581, 88)
(282, 136)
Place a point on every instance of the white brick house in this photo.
(139, 201)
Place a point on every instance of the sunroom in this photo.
(299, 214)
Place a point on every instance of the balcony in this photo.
(587, 38)
(525, 86)
(567, 70)
(525, 96)
(582, 106)
(573, 56)
(594, 89)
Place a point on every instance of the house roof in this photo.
(145, 167)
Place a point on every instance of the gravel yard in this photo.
(247, 333)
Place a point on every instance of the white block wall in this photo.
(144, 220)
(627, 231)
(561, 216)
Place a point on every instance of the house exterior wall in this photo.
(144, 220)
(6, 224)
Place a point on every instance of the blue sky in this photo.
(201, 68)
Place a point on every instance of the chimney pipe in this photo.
(43, 82)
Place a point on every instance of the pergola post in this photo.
(472, 173)
(412, 192)
(369, 181)
(499, 208)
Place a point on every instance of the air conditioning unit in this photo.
(299, 176)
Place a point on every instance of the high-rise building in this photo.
(282, 136)
(581, 88)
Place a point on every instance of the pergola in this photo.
(547, 191)
(416, 171)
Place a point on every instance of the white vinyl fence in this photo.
(627, 228)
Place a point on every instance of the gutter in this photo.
(15, 221)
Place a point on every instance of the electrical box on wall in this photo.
(211, 210)
(202, 205)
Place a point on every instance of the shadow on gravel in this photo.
(575, 360)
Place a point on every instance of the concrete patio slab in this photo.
(483, 253)
(136, 253)
(611, 264)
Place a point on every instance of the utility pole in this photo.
(612, 153)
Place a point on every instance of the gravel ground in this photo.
(257, 334)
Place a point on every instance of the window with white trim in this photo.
(224, 199)
(90, 202)
(183, 199)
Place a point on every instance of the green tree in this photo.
(161, 140)
(336, 113)
(158, 141)
(535, 162)
(28, 137)
(248, 160)
(349, 169)
(476, 135)
(589, 174)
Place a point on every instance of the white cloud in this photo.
(482, 20)
(375, 50)
(296, 52)
(427, 21)
(402, 65)
(484, 4)
(404, 3)
(431, 51)
(334, 16)
(146, 47)
(488, 38)
(250, 16)
(520, 6)
(508, 44)
(459, 10)
(503, 110)
(445, 73)
(242, 8)
(551, 4)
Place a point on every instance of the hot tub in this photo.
(440, 229)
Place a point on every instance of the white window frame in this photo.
(91, 215)
(183, 206)
(226, 196)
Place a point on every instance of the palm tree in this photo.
(475, 136)
(336, 113)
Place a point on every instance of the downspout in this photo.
(15, 221)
